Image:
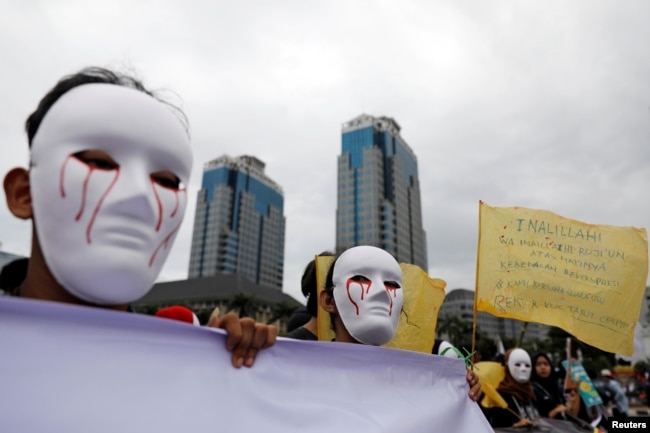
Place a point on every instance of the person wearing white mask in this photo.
(106, 193)
(517, 390)
(364, 295)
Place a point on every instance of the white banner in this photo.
(75, 369)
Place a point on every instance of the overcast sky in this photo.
(540, 104)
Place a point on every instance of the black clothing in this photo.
(302, 333)
(546, 399)
(298, 318)
(548, 394)
(499, 417)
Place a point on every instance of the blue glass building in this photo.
(239, 223)
(378, 191)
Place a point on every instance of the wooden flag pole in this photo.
(480, 203)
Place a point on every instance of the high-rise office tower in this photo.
(239, 222)
(378, 191)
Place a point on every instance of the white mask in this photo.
(446, 349)
(368, 293)
(105, 232)
(519, 365)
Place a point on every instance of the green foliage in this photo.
(643, 366)
(593, 359)
(244, 305)
(147, 309)
(455, 328)
(459, 333)
(282, 311)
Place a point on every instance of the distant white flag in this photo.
(640, 349)
(500, 349)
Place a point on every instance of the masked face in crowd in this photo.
(368, 293)
(447, 349)
(108, 169)
(519, 365)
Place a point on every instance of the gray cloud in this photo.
(544, 105)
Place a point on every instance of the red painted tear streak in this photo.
(62, 175)
(84, 193)
(99, 203)
(365, 288)
(176, 191)
(155, 193)
(347, 287)
(388, 290)
(165, 242)
(159, 202)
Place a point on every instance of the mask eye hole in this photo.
(166, 179)
(97, 159)
(392, 284)
(360, 279)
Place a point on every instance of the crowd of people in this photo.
(105, 192)
(109, 162)
(535, 389)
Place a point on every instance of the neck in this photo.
(341, 334)
(312, 326)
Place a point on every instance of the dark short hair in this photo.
(13, 274)
(89, 75)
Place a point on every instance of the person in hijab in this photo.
(546, 386)
(517, 390)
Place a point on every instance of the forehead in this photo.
(367, 260)
(114, 118)
(517, 356)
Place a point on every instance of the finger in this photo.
(265, 336)
(231, 324)
(213, 322)
(477, 392)
(260, 335)
(471, 380)
(240, 345)
(271, 336)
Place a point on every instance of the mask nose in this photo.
(388, 296)
(377, 291)
(134, 196)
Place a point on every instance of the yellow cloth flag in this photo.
(490, 374)
(423, 297)
(536, 266)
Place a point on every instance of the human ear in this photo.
(18, 194)
(327, 302)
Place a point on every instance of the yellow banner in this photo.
(490, 374)
(536, 266)
(423, 296)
